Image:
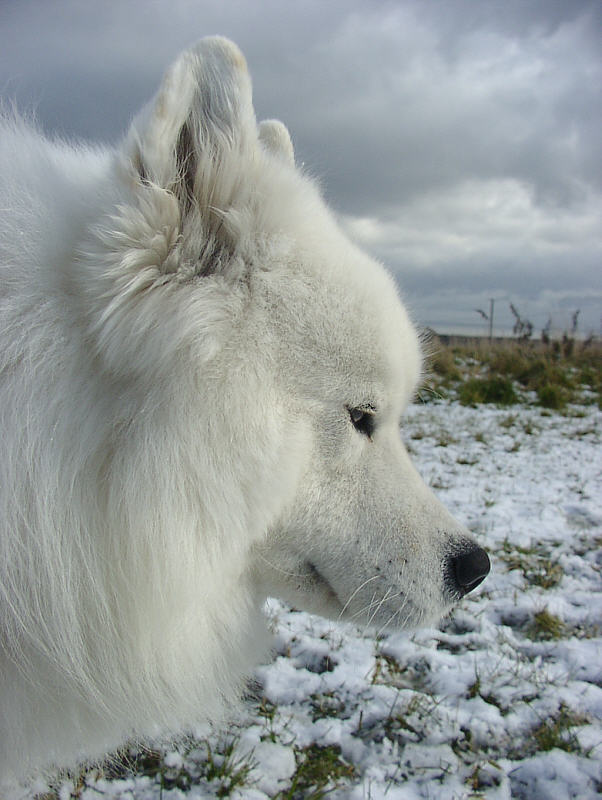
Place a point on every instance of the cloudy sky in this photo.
(458, 140)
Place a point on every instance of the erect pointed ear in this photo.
(275, 137)
(201, 119)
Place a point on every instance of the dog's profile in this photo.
(201, 384)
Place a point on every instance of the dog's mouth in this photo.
(318, 581)
(389, 609)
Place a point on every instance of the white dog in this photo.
(201, 382)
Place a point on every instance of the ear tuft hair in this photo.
(186, 161)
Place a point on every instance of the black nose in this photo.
(470, 569)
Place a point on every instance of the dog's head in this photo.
(364, 537)
(309, 336)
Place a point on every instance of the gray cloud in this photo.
(458, 140)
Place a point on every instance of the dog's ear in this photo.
(193, 137)
(275, 137)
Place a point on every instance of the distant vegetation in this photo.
(552, 374)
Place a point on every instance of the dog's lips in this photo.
(317, 577)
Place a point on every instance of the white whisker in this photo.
(359, 588)
(365, 609)
(383, 600)
(280, 570)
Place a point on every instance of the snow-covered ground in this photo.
(503, 699)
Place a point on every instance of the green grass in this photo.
(506, 372)
(326, 705)
(444, 364)
(552, 396)
(546, 627)
(320, 770)
(557, 731)
(217, 763)
(227, 769)
(534, 562)
(494, 389)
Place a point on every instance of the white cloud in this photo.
(478, 218)
(454, 248)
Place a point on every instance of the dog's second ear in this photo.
(274, 136)
(193, 137)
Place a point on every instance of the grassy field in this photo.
(507, 372)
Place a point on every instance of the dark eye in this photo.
(363, 420)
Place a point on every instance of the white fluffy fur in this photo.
(183, 330)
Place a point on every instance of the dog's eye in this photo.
(363, 420)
